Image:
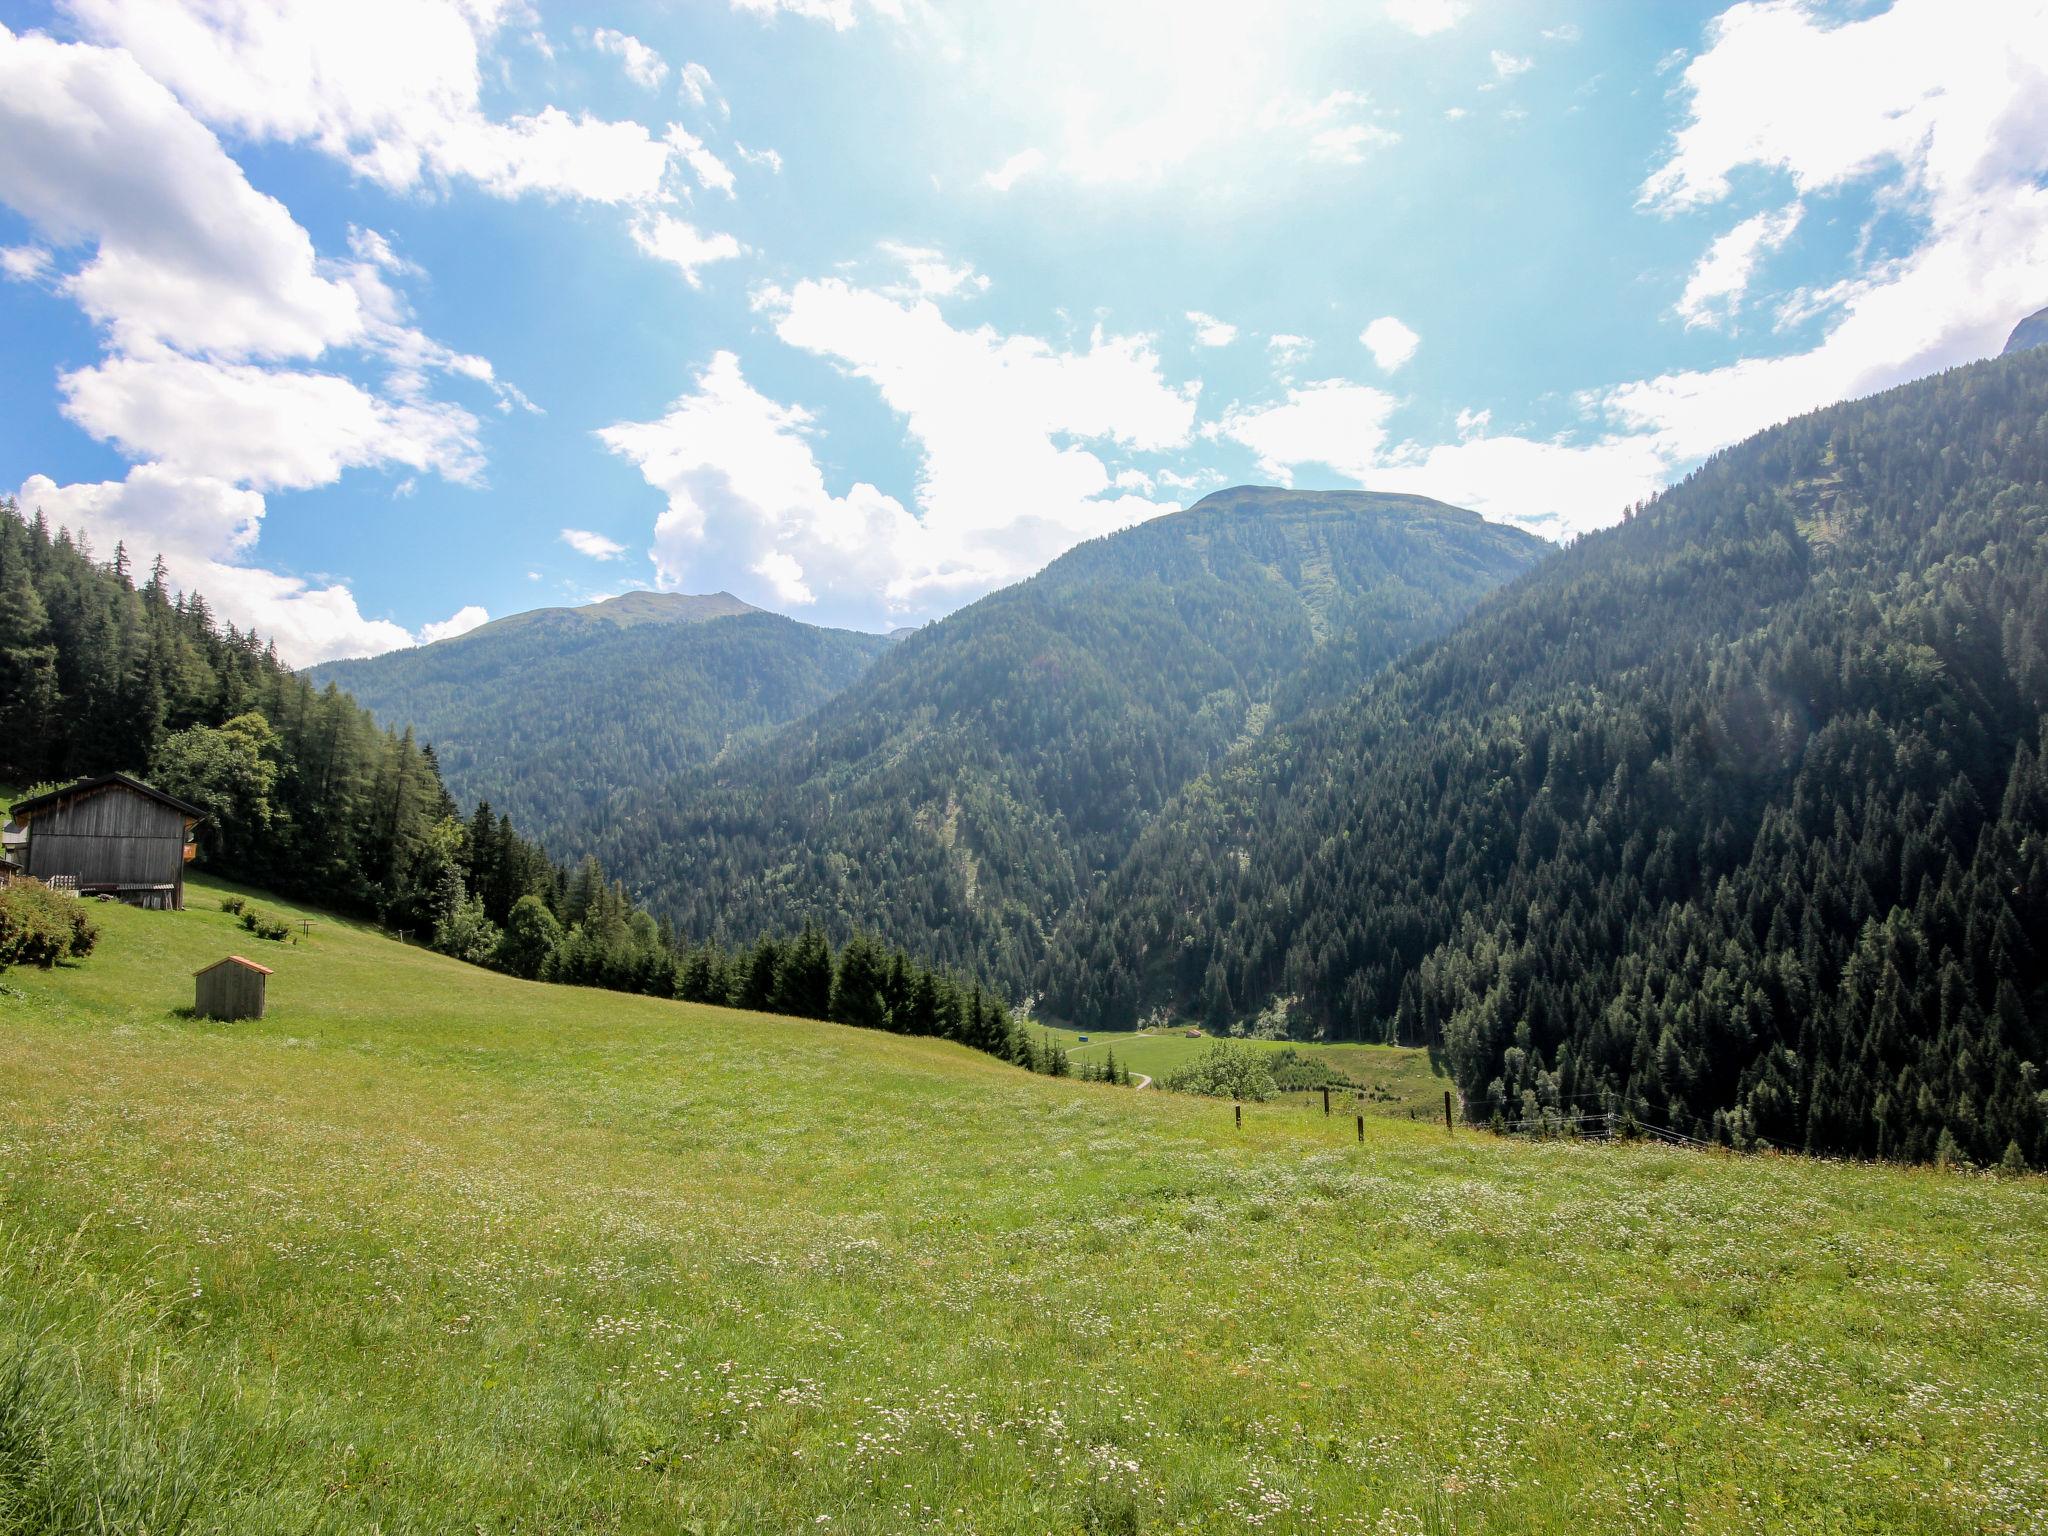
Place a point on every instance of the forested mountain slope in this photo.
(1735, 814)
(972, 785)
(551, 714)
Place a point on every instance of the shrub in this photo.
(1225, 1071)
(265, 927)
(233, 903)
(39, 927)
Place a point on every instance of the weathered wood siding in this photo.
(230, 992)
(112, 836)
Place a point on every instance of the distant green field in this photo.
(1412, 1083)
(432, 1250)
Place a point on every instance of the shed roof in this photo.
(261, 970)
(105, 781)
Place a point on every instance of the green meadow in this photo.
(1396, 1079)
(428, 1249)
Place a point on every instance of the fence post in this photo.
(1240, 1116)
(1326, 1101)
(1361, 1130)
(1447, 1112)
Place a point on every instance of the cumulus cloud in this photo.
(1011, 433)
(1714, 291)
(1001, 422)
(1390, 342)
(748, 509)
(642, 64)
(306, 71)
(595, 545)
(679, 243)
(1507, 65)
(268, 428)
(460, 622)
(1333, 422)
(1211, 332)
(185, 252)
(768, 159)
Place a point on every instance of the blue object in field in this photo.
(1084, 1039)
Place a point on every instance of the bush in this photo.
(1225, 1071)
(39, 927)
(233, 903)
(265, 927)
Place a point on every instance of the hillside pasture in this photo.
(428, 1249)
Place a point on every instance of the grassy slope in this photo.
(430, 1249)
(1412, 1085)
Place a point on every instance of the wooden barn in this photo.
(113, 835)
(230, 989)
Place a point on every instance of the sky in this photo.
(379, 318)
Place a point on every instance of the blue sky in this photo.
(379, 318)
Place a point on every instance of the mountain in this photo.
(626, 611)
(975, 783)
(2029, 333)
(551, 715)
(1734, 815)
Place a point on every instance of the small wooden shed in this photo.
(115, 836)
(230, 989)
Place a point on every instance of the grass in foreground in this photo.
(429, 1249)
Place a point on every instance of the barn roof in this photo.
(105, 781)
(261, 970)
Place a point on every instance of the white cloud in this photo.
(712, 173)
(1390, 342)
(696, 83)
(839, 14)
(1000, 422)
(1568, 32)
(1211, 332)
(642, 64)
(595, 545)
(930, 273)
(1426, 18)
(186, 252)
(1714, 291)
(1508, 65)
(392, 88)
(1026, 162)
(1944, 109)
(748, 509)
(769, 159)
(1334, 422)
(266, 428)
(24, 263)
(202, 527)
(679, 243)
(1287, 351)
(461, 622)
